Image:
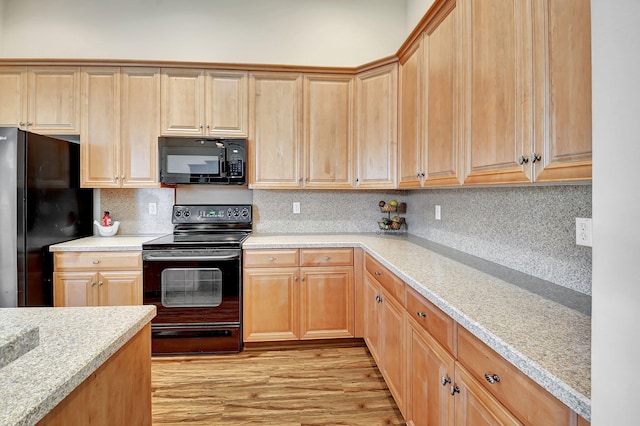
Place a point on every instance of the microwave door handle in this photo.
(151, 257)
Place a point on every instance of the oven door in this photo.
(198, 297)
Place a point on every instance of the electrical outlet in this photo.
(153, 209)
(584, 233)
(437, 212)
(296, 207)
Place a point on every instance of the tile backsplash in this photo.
(527, 228)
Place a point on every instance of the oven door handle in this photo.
(152, 258)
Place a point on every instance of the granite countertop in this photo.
(71, 344)
(115, 243)
(541, 328)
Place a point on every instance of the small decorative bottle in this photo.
(106, 219)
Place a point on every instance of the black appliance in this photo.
(41, 203)
(194, 278)
(216, 161)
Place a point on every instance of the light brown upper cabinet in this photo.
(430, 151)
(41, 99)
(328, 131)
(562, 73)
(527, 90)
(120, 124)
(275, 149)
(376, 127)
(198, 102)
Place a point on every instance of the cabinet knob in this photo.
(522, 159)
(418, 174)
(96, 261)
(422, 314)
(422, 174)
(200, 126)
(492, 378)
(115, 177)
(535, 157)
(445, 380)
(454, 390)
(378, 273)
(122, 177)
(93, 283)
(271, 258)
(302, 279)
(295, 278)
(326, 258)
(208, 127)
(100, 284)
(21, 124)
(29, 123)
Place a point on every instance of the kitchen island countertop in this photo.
(72, 344)
(541, 328)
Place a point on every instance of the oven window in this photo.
(193, 164)
(189, 287)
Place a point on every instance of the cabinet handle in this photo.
(445, 380)
(29, 123)
(454, 390)
(422, 174)
(96, 261)
(535, 157)
(492, 378)
(378, 273)
(271, 258)
(100, 284)
(326, 258)
(357, 180)
(418, 174)
(522, 159)
(295, 278)
(208, 127)
(21, 124)
(302, 279)
(115, 177)
(422, 314)
(122, 177)
(200, 126)
(93, 284)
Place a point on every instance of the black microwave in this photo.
(217, 161)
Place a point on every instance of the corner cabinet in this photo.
(120, 122)
(298, 294)
(198, 102)
(376, 127)
(41, 99)
(97, 278)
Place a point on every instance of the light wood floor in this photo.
(318, 386)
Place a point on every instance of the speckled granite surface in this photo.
(74, 342)
(115, 243)
(545, 336)
(16, 341)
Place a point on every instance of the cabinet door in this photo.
(429, 374)
(563, 90)
(410, 146)
(140, 127)
(120, 288)
(392, 347)
(328, 132)
(13, 86)
(275, 141)
(475, 406)
(497, 90)
(182, 107)
(226, 103)
(442, 131)
(75, 289)
(371, 313)
(100, 138)
(326, 302)
(270, 309)
(376, 127)
(54, 100)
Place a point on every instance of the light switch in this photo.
(296, 207)
(153, 209)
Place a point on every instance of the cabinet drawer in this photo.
(270, 258)
(522, 396)
(432, 319)
(388, 280)
(97, 261)
(326, 257)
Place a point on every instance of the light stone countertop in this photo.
(541, 328)
(115, 243)
(73, 343)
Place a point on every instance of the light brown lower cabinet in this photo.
(97, 278)
(298, 294)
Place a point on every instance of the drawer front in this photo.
(432, 319)
(326, 257)
(522, 396)
(98, 261)
(270, 258)
(388, 280)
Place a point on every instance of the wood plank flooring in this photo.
(307, 386)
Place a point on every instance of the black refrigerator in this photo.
(41, 203)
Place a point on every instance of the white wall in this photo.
(2, 25)
(616, 212)
(415, 11)
(300, 32)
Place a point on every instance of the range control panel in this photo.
(211, 213)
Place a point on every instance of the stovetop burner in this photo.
(210, 225)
